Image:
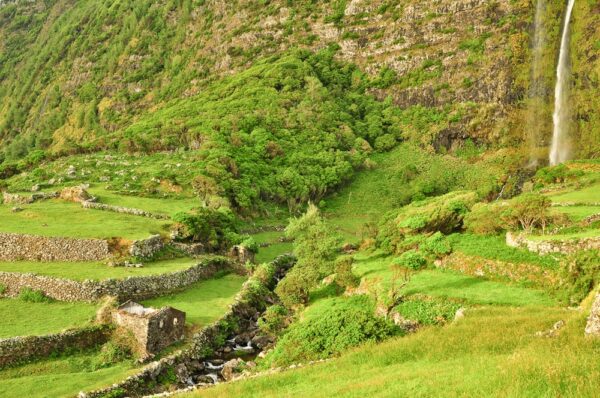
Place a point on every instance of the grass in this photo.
(590, 194)
(491, 352)
(586, 233)
(396, 177)
(59, 218)
(95, 270)
(205, 301)
(452, 285)
(578, 213)
(495, 248)
(275, 248)
(20, 318)
(167, 206)
(60, 377)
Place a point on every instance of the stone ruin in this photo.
(153, 329)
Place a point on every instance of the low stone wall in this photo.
(124, 210)
(543, 247)
(255, 296)
(132, 288)
(14, 247)
(591, 219)
(144, 249)
(17, 350)
(13, 198)
(592, 327)
(499, 270)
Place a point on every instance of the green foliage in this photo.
(556, 174)
(528, 211)
(428, 311)
(495, 248)
(436, 245)
(2, 289)
(215, 229)
(485, 219)
(274, 320)
(33, 296)
(315, 247)
(580, 275)
(444, 214)
(344, 276)
(330, 329)
(411, 259)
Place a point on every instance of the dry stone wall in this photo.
(132, 288)
(123, 210)
(593, 323)
(543, 247)
(17, 350)
(14, 247)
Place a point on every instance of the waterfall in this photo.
(559, 151)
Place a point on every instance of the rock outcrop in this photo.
(592, 327)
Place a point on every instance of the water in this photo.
(560, 150)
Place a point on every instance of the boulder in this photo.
(75, 194)
(230, 368)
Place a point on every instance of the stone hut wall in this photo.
(543, 247)
(132, 288)
(17, 350)
(14, 247)
(164, 328)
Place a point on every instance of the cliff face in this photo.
(74, 70)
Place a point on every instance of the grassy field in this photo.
(205, 301)
(495, 248)
(20, 318)
(61, 377)
(275, 248)
(590, 194)
(167, 206)
(578, 213)
(491, 352)
(396, 176)
(95, 270)
(450, 284)
(59, 218)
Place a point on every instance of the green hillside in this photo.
(347, 198)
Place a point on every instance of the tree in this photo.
(316, 247)
(205, 187)
(528, 211)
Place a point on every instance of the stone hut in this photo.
(153, 329)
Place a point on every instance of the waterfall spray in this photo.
(559, 151)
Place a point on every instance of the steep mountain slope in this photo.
(73, 71)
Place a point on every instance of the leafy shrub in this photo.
(215, 229)
(344, 276)
(428, 311)
(411, 259)
(33, 296)
(2, 288)
(274, 319)
(444, 214)
(315, 246)
(485, 219)
(555, 174)
(436, 245)
(330, 329)
(580, 275)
